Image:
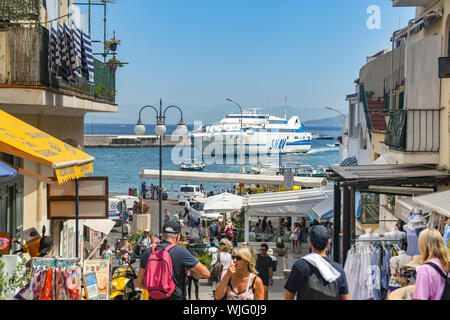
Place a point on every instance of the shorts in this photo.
(265, 281)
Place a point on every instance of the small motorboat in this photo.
(192, 166)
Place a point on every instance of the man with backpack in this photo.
(163, 268)
(315, 277)
(214, 230)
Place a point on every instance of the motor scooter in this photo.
(123, 286)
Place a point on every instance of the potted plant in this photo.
(281, 250)
(113, 63)
(112, 44)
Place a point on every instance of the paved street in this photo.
(276, 292)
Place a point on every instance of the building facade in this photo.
(30, 92)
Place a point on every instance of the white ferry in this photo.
(261, 134)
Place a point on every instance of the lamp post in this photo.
(240, 108)
(344, 155)
(160, 130)
(335, 111)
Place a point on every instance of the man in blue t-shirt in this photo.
(302, 270)
(182, 261)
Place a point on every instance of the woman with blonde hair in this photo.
(435, 261)
(223, 257)
(241, 281)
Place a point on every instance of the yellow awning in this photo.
(22, 140)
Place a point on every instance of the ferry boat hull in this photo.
(251, 134)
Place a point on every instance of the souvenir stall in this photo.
(53, 279)
(373, 262)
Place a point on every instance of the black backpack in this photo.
(446, 293)
(319, 289)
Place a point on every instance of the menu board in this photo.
(100, 267)
(90, 286)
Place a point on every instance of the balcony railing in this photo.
(27, 65)
(14, 10)
(413, 130)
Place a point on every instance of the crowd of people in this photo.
(238, 273)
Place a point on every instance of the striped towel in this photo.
(52, 51)
(71, 53)
(87, 60)
(77, 41)
(64, 69)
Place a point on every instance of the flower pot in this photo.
(281, 252)
(113, 46)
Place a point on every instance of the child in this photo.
(107, 253)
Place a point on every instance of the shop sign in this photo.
(93, 199)
(289, 179)
(99, 267)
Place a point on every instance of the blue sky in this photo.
(196, 53)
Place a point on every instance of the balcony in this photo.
(412, 3)
(25, 78)
(413, 136)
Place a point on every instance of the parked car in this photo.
(189, 192)
(113, 213)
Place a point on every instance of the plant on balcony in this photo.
(113, 63)
(112, 44)
(99, 90)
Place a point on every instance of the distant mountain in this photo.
(128, 113)
(335, 122)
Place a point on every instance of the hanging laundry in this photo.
(87, 60)
(70, 53)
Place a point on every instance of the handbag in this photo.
(216, 269)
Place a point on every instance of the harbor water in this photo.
(122, 165)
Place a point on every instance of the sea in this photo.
(122, 165)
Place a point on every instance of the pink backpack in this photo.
(158, 276)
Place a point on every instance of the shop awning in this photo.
(436, 201)
(324, 209)
(101, 225)
(6, 171)
(224, 202)
(310, 182)
(23, 140)
(285, 204)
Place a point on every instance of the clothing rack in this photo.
(54, 262)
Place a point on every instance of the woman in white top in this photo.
(225, 249)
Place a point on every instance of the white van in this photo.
(189, 192)
(197, 211)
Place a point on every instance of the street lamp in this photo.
(335, 111)
(240, 108)
(344, 154)
(160, 130)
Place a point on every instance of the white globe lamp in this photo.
(160, 129)
(139, 128)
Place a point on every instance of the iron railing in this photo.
(27, 65)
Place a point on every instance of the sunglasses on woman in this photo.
(238, 258)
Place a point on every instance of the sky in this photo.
(196, 53)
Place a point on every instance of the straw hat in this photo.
(399, 294)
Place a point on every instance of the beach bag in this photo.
(158, 275)
(446, 293)
(319, 289)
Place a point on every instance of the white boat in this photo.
(260, 134)
(192, 166)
